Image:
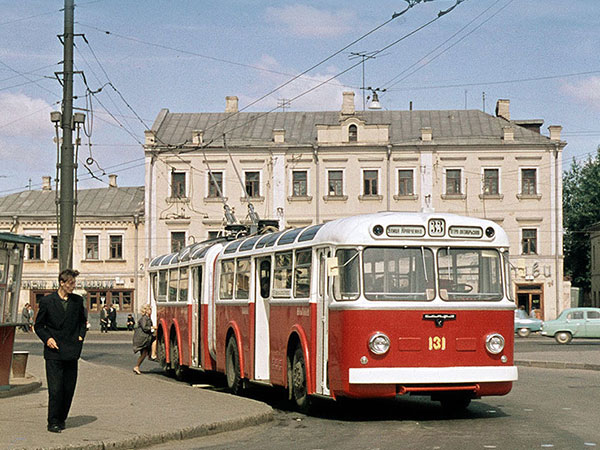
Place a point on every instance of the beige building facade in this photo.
(107, 246)
(304, 168)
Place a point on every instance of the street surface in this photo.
(547, 408)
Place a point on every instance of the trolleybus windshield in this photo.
(469, 274)
(398, 273)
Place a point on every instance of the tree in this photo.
(581, 209)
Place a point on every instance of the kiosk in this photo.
(12, 251)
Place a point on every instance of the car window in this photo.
(593, 315)
(575, 315)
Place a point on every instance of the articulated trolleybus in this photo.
(369, 306)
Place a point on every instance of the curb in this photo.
(146, 440)
(20, 388)
(558, 365)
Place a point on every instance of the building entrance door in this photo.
(531, 297)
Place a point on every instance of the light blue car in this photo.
(573, 323)
(525, 325)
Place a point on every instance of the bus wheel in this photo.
(232, 367)
(563, 337)
(161, 353)
(298, 382)
(176, 368)
(455, 402)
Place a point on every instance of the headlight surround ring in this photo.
(379, 343)
(494, 343)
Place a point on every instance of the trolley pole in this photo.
(66, 162)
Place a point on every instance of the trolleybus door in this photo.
(197, 315)
(262, 288)
(322, 321)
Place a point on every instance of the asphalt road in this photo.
(547, 408)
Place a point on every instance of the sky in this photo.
(138, 57)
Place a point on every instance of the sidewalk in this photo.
(113, 408)
(116, 409)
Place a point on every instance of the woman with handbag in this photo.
(143, 338)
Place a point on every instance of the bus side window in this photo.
(265, 278)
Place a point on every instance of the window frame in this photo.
(209, 183)
(364, 179)
(293, 183)
(110, 246)
(86, 246)
(352, 133)
(460, 180)
(342, 182)
(522, 183)
(484, 181)
(171, 240)
(33, 252)
(535, 242)
(176, 185)
(257, 192)
(399, 179)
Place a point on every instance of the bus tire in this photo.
(161, 352)
(298, 390)
(176, 368)
(232, 367)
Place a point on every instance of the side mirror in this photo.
(332, 267)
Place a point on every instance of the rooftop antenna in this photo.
(364, 56)
(284, 103)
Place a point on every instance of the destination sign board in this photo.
(465, 232)
(405, 231)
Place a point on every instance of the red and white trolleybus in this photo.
(368, 306)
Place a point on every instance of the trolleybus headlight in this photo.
(377, 230)
(379, 343)
(489, 232)
(494, 343)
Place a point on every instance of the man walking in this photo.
(61, 325)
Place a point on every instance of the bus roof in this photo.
(399, 228)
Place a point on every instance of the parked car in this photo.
(525, 325)
(573, 323)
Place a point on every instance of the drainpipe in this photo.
(136, 264)
(318, 183)
(557, 218)
(389, 155)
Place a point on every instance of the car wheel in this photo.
(523, 332)
(563, 337)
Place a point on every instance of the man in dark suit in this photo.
(61, 324)
(112, 316)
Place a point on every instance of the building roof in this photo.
(104, 202)
(450, 127)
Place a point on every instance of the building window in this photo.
(177, 240)
(299, 183)
(352, 133)
(54, 247)
(116, 247)
(491, 182)
(178, 185)
(405, 182)
(528, 181)
(529, 241)
(215, 184)
(92, 247)
(370, 182)
(252, 184)
(453, 182)
(34, 251)
(335, 183)
(213, 234)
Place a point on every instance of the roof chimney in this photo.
(112, 181)
(46, 183)
(231, 104)
(150, 137)
(278, 136)
(197, 137)
(426, 134)
(509, 133)
(503, 109)
(348, 102)
(555, 132)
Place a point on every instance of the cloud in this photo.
(327, 97)
(586, 91)
(307, 21)
(24, 116)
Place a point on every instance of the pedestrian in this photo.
(31, 313)
(143, 338)
(104, 321)
(130, 322)
(112, 317)
(61, 325)
(25, 318)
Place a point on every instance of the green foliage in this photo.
(581, 209)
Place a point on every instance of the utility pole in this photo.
(67, 165)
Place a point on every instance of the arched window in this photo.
(352, 133)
